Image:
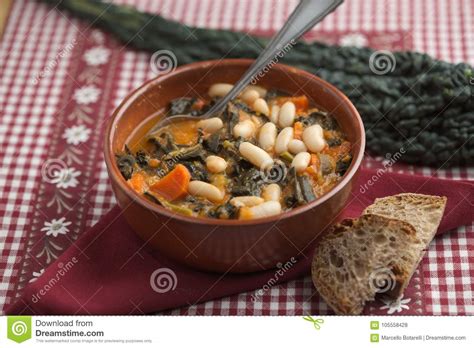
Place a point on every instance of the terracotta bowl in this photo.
(229, 245)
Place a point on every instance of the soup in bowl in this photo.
(266, 153)
(246, 189)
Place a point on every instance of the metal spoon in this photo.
(303, 18)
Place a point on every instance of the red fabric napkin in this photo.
(90, 276)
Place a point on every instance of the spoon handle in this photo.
(302, 19)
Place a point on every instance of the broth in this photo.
(267, 153)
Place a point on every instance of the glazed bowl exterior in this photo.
(229, 245)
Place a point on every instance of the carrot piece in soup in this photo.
(313, 168)
(137, 182)
(198, 104)
(301, 102)
(184, 132)
(153, 163)
(174, 185)
(298, 130)
(245, 213)
(311, 171)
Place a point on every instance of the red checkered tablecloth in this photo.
(60, 79)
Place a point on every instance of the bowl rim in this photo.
(117, 178)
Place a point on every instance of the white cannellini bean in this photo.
(246, 201)
(244, 129)
(267, 136)
(287, 114)
(271, 192)
(295, 146)
(216, 164)
(265, 209)
(205, 190)
(301, 161)
(261, 106)
(210, 125)
(274, 113)
(283, 139)
(313, 138)
(257, 121)
(250, 96)
(255, 155)
(219, 89)
(262, 92)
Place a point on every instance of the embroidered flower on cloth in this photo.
(97, 56)
(396, 306)
(355, 39)
(86, 94)
(36, 275)
(76, 134)
(56, 227)
(66, 177)
(98, 36)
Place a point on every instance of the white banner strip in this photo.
(218, 331)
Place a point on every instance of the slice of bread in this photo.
(360, 258)
(377, 254)
(422, 211)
